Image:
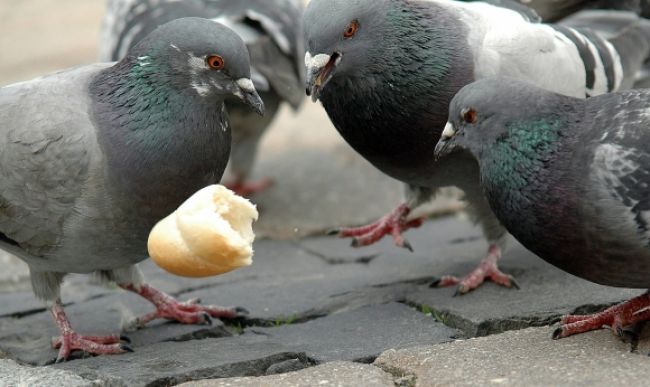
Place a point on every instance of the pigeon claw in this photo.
(189, 312)
(96, 345)
(616, 318)
(207, 320)
(486, 270)
(393, 224)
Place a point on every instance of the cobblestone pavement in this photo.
(322, 313)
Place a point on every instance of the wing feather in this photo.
(46, 146)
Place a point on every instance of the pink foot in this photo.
(249, 188)
(189, 312)
(616, 317)
(393, 223)
(70, 341)
(486, 269)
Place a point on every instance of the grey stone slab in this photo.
(546, 294)
(334, 374)
(271, 259)
(28, 339)
(76, 288)
(359, 335)
(435, 238)
(167, 364)
(453, 246)
(320, 289)
(14, 374)
(522, 358)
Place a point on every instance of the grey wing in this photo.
(126, 22)
(45, 139)
(620, 170)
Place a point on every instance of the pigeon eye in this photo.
(351, 30)
(469, 116)
(215, 62)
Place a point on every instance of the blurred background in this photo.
(41, 36)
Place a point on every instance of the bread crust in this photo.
(209, 234)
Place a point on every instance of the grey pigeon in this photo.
(569, 178)
(386, 70)
(271, 31)
(554, 10)
(91, 158)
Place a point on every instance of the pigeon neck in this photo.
(509, 163)
(514, 171)
(154, 134)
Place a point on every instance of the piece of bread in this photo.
(210, 233)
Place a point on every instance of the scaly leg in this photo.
(249, 188)
(70, 340)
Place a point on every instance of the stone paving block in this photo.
(271, 259)
(293, 281)
(453, 246)
(28, 339)
(546, 294)
(522, 358)
(14, 374)
(335, 374)
(359, 335)
(167, 364)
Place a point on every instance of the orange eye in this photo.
(470, 116)
(351, 30)
(215, 62)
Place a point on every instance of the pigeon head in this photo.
(340, 35)
(484, 112)
(198, 56)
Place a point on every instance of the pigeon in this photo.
(92, 157)
(569, 178)
(271, 31)
(386, 70)
(555, 10)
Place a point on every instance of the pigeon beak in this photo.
(249, 95)
(320, 70)
(445, 146)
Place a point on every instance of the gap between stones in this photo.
(361, 260)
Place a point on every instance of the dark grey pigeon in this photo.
(271, 31)
(386, 70)
(569, 178)
(91, 158)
